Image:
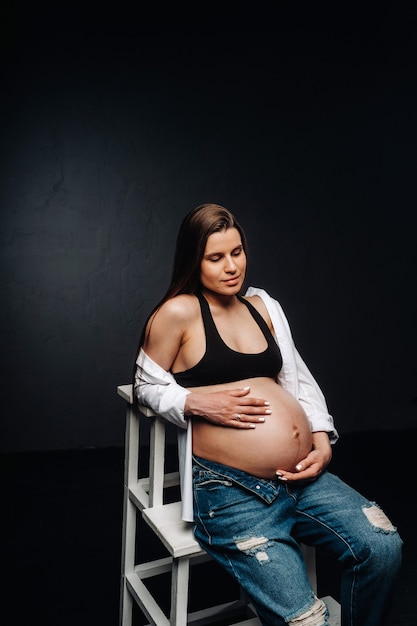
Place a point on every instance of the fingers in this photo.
(304, 472)
(243, 391)
(250, 402)
(242, 421)
(252, 412)
(232, 408)
(244, 418)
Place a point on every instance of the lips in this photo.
(232, 281)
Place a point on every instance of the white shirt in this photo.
(157, 389)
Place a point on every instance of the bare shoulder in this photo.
(260, 306)
(167, 327)
(178, 310)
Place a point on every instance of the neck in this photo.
(225, 301)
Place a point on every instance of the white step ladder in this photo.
(147, 494)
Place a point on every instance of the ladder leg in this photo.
(129, 515)
(126, 605)
(179, 591)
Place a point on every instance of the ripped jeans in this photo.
(252, 528)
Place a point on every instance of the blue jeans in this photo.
(252, 528)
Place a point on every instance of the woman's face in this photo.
(223, 266)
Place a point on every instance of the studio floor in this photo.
(62, 516)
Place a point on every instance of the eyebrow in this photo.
(210, 254)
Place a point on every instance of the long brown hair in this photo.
(194, 231)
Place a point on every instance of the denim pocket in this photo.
(215, 495)
(206, 479)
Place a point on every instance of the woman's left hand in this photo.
(313, 465)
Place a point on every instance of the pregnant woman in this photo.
(255, 437)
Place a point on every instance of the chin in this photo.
(232, 290)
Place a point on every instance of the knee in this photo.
(316, 615)
(385, 543)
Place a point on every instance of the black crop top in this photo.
(221, 364)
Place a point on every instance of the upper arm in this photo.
(165, 330)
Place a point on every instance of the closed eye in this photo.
(214, 258)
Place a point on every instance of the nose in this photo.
(230, 265)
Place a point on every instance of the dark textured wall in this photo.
(113, 128)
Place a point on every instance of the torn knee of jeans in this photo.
(377, 518)
(255, 546)
(316, 615)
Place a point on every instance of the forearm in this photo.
(321, 442)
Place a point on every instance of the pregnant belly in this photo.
(278, 443)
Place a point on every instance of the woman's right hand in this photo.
(233, 408)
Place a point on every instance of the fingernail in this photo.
(246, 388)
(252, 426)
(299, 467)
(282, 478)
(266, 403)
(268, 412)
(261, 419)
(278, 474)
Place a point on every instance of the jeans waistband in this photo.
(263, 488)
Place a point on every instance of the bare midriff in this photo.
(280, 442)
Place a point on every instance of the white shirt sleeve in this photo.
(157, 389)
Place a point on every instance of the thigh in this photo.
(252, 540)
(333, 515)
